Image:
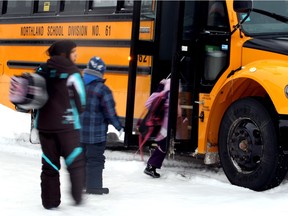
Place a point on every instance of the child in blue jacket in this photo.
(99, 112)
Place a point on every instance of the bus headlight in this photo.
(286, 91)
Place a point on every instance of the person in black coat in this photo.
(58, 123)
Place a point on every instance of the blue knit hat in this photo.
(96, 64)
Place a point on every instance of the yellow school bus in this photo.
(99, 28)
(230, 59)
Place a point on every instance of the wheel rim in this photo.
(245, 145)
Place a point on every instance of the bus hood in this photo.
(275, 45)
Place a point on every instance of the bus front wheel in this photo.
(248, 146)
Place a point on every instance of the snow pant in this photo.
(159, 154)
(95, 161)
(55, 145)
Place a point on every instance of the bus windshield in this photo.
(260, 24)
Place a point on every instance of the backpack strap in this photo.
(44, 71)
(142, 140)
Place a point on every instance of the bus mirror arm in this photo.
(240, 23)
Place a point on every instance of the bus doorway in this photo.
(172, 54)
(192, 48)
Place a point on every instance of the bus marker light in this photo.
(286, 91)
(253, 69)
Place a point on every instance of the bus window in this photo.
(258, 23)
(128, 3)
(1, 8)
(17, 7)
(72, 6)
(146, 5)
(46, 6)
(102, 5)
(217, 16)
(189, 20)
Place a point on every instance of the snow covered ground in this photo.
(183, 189)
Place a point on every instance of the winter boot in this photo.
(151, 171)
(98, 191)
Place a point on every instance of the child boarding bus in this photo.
(230, 59)
(98, 27)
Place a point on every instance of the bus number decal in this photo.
(108, 30)
(95, 30)
(142, 58)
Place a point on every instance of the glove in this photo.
(160, 87)
(121, 134)
(167, 85)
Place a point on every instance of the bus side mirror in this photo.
(243, 6)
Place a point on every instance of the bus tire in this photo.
(248, 146)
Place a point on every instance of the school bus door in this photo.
(205, 46)
(186, 130)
